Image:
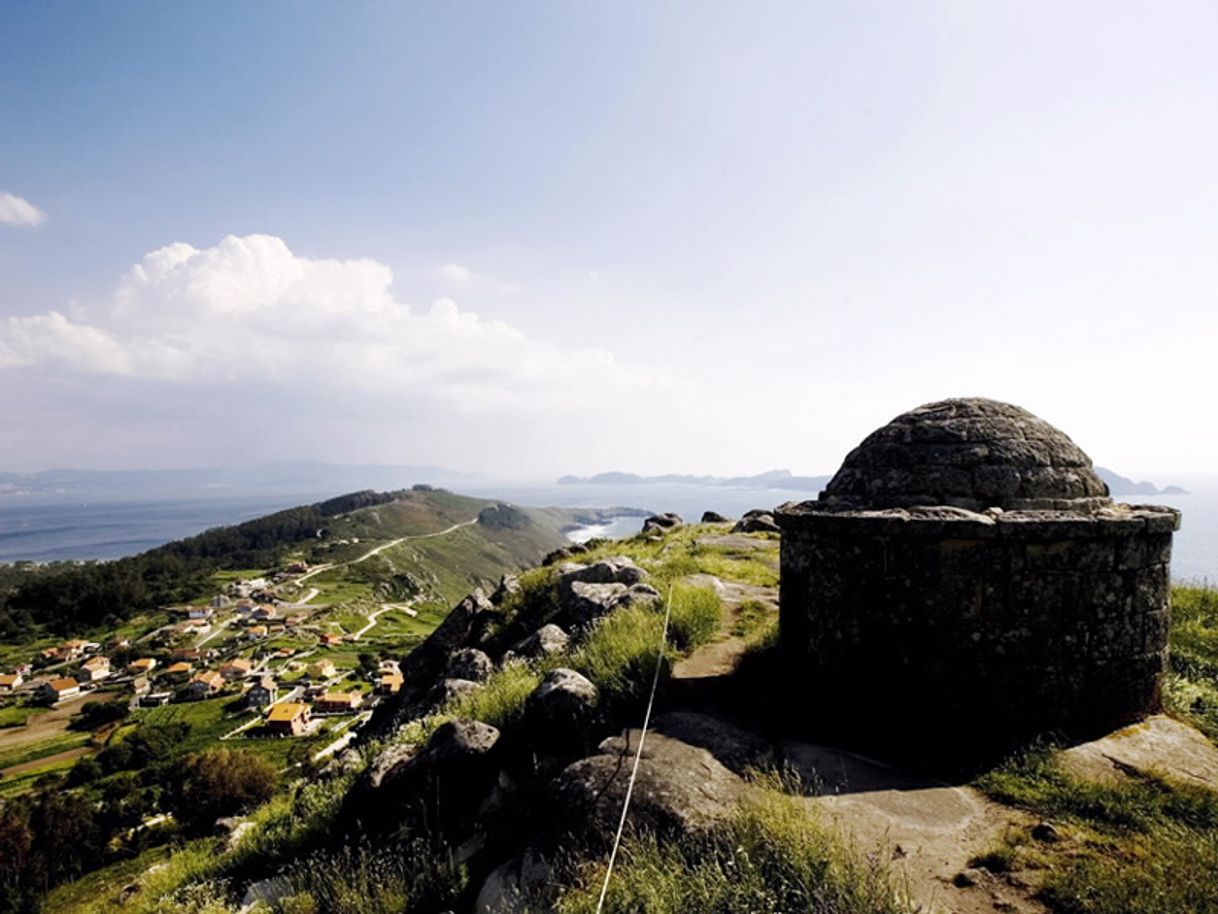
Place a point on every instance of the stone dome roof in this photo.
(970, 453)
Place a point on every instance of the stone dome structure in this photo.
(971, 453)
(966, 559)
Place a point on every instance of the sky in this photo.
(540, 238)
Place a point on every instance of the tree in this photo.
(221, 782)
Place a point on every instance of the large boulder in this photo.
(586, 603)
(615, 570)
(561, 711)
(588, 592)
(454, 631)
(680, 788)
(562, 553)
(524, 885)
(735, 748)
(658, 523)
(446, 690)
(547, 640)
(756, 521)
(471, 664)
(509, 586)
(442, 786)
(713, 517)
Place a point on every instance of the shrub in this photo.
(220, 782)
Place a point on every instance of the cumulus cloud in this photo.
(16, 210)
(250, 312)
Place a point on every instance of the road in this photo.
(381, 548)
(418, 536)
(372, 617)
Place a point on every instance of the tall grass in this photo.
(619, 655)
(772, 856)
(697, 613)
(360, 880)
(1191, 690)
(499, 702)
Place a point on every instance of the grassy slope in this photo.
(1147, 846)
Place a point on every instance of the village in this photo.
(260, 661)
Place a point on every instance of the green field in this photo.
(28, 752)
(17, 715)
(27, 780)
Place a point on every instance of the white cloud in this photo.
(249, 312)
(456, 272)
(16, 210)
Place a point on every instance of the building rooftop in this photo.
(286, 711)
(968, 453)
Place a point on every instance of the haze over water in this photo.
(47, 529)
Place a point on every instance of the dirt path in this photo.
(52, 723)
(720, 657)
(372, 617)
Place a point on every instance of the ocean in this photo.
(47, 529)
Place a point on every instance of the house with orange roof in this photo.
(338, 703)
(179, 670)
(205, 684)
(237, 669)
(389, 684)
(10, 681)
(142, 666)
(288, 718)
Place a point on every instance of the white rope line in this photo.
(638, 755)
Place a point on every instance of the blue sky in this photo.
(663, 237)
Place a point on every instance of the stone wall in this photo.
(1023, 621)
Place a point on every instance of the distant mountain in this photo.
(297, 477)
(772, 479)
(783, 479)
(1123, 485)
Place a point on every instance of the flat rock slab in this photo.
(1157, 744)
(925, 832)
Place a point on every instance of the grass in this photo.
(14, 784)
(29, 752)
(679, 554)
(1169, 872)
(619, 655)
(753, 617)
(697, 613)
(499, 702)
(1191, 690)
(386, 880)
(772, 856)
(1143, 845)
(17, 715)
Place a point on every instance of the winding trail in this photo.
(377, 550)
